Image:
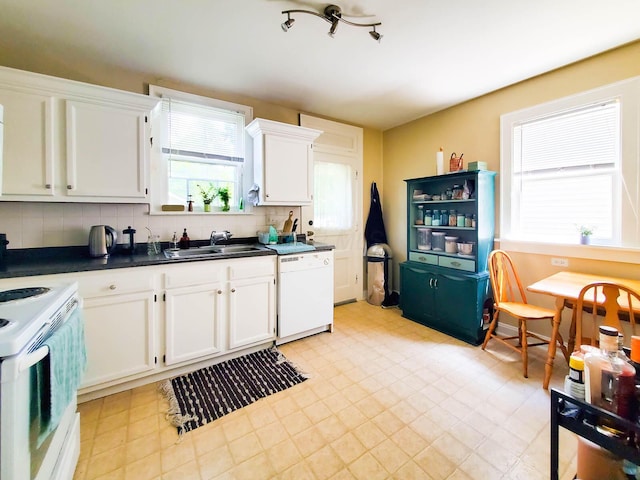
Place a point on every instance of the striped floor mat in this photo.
(200, 397)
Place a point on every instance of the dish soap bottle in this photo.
(184, 241)
(174, 241)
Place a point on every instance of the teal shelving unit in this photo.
(448, 291)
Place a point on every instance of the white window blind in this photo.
(566, 173)
(203, 132)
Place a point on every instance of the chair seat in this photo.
(526, 310)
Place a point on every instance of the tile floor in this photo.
(386, 398)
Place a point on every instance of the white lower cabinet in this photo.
(194, 312)
(251, 311)
(252, 302)
(120, 337)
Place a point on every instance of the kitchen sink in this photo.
(209, 251)
(236, 248)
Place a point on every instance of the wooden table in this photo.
(565, 287)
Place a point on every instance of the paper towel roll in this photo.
(440, 162)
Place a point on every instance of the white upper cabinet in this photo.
(282, 162)
(68, 141)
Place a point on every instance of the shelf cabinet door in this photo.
(193, 322)
(106, 151)
(460, 302)
(119, 336)
(417, 299)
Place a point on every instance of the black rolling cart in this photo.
(586, 421)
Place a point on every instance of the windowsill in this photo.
(198, 213)
(591, 252)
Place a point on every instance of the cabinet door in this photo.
(193, 322)
(119, 336)
(417, 299)
(288, 176)
(106, 151)
(252, 311)
(27, 163)
(460, 301)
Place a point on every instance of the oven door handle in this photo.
(34, 357)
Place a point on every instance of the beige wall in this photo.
(472, 128)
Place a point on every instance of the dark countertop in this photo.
(29, 262)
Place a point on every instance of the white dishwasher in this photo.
(305, 294)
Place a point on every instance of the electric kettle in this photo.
(102, 240)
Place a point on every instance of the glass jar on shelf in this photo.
(428, 217)
(467, 220)
(420, 216)
(435, 219)
(444, 217)
(460, 220)
(453, 218)
(456, 192)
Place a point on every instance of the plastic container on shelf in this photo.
(451, 244)
(424, 239)
(437, 241)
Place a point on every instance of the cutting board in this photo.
(288, 223)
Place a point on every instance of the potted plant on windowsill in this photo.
(585, 234)
(223, 193)
(208, 196)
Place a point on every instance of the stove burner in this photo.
(20, 293)
(4, 322)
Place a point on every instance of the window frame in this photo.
(627, 92)
(159, 167)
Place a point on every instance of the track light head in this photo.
(334, 27)
(375, 35)
(287, 25)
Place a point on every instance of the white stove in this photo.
(28, 314)
(31, 446)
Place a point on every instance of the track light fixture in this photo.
(333, 15)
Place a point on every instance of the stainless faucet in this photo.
(217, 236)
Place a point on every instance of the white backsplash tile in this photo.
(40, 224)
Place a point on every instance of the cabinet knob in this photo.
(112, 287)
(233, 290)
(69, 187)
(219, 292)
(48, 186)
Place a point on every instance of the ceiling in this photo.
(434, 54)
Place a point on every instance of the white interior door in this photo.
(335, 216)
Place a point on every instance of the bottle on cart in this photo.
(609, 379)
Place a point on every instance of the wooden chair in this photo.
(509, 297)
(612, 304)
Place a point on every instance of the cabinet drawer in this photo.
(114, 283)
(457, 263)
(252, 268)
(423, 258)
(198, 273)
